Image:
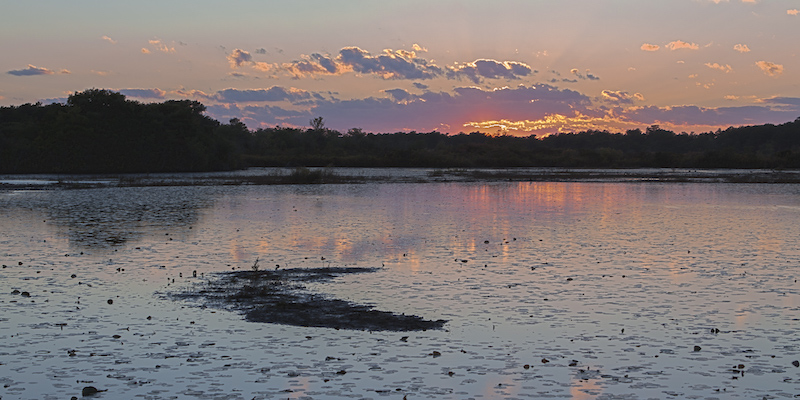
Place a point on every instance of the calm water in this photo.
(552, 290)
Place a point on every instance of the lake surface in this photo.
(574, 290)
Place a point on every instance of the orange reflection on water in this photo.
(585, 389)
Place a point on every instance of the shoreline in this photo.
(347, 175)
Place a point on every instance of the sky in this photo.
(514, 67)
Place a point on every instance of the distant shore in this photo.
(318, 176)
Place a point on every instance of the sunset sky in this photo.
(511, 67)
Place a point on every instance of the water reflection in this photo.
(625, 278)
(111, 217)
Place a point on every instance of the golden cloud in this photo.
(555, 122)
(793, 11)
(741, 48)
(239, 57)
(769, 68)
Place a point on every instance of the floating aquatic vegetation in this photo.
(279, 297)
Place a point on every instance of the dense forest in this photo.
(100, 131)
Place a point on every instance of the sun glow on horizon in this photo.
(554, 123)
(557, 123)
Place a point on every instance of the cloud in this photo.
(620, 97)
(790, 103)
(108, 39)
(101, 73)
(154, 93)
(793, 11)
(239, 57)
(261, 51)
(391, 64)
(690, 115)
(588, 75)
(399, 95)
(650, 47)
(31, 71)
(481, 69)
(420, 86)
(679, 44)
(444, 111)
(160, 46)
(541, 109)
(275, 93)
(315, 64)
(769, 68)
(192, 93)
(562, 123)
(741, 48)
(398, 64)
(724, 68)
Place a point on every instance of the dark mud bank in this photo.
(280, 297)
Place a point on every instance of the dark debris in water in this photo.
(279, 297)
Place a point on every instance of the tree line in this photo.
(100, 131)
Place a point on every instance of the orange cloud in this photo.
(145, 51)
(679, 44)
(724, 68)
(769, 68)
(108, 39)
(264, 67)
(793, 11)
(650, 47)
